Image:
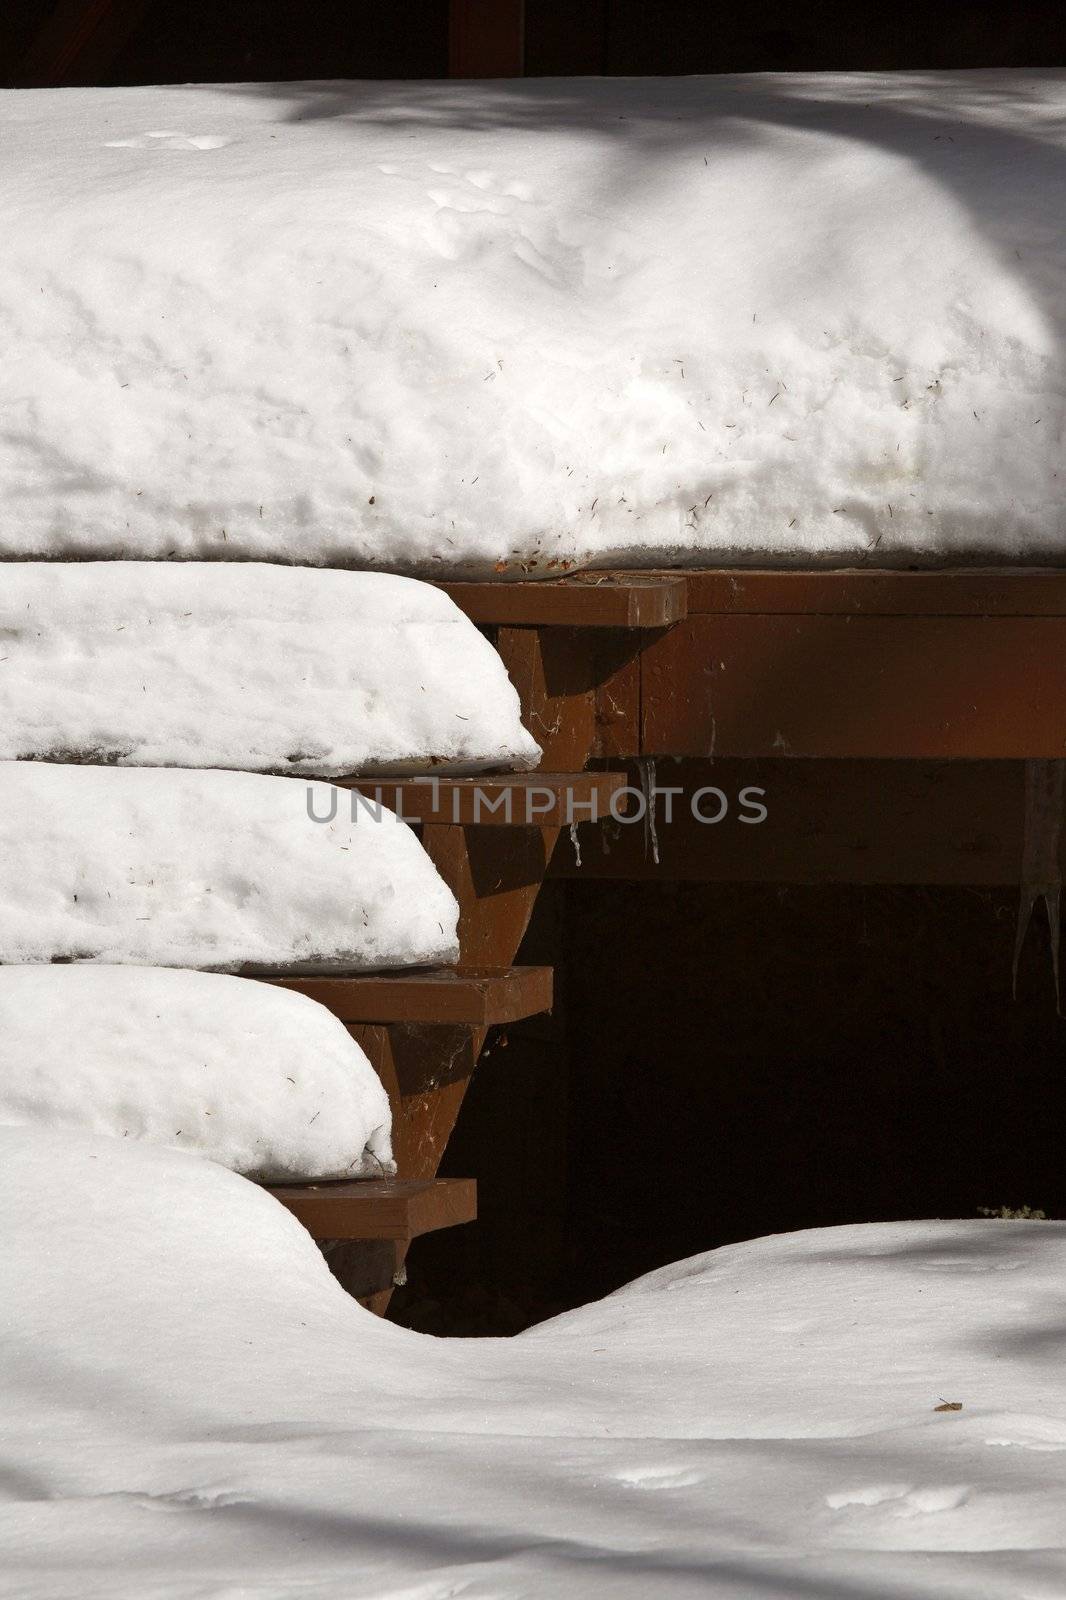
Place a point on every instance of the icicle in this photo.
(576, 844)
(646, 772)
(1041, 877)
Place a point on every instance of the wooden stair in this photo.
(390, 1209)
(476, 997)
(586, 600)
(439, 1010)
(491, 838)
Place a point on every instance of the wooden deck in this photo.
(954, 665)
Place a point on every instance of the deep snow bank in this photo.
(261, 668)
(262, 1080)
(498, 327)
(192, 1405)
(210, 869)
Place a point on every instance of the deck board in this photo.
(388, 1209)
(959, 591)
(479, 997)
(587, 600)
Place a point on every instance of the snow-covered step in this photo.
(477, 997)
(388, 1209)
(246, 665)
(218, 870)
(259, 1080)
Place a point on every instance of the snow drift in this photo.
(504, 327)
(210, 869)
(259, 1079)
(261, 668)
(192, 1406)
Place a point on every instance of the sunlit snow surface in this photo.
(172, 867)
(257, 1078)
(192, 1407)
(496, 327)
(251, 666)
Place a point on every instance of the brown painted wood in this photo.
(479, 997)
(525, 799)
(593, 600)
(873, 822)
(959, 592)
(486, 38)
(369, 1269)
(495, 874)
(579, 690)
(390, 1209)
(913, 687)
(425, 1070)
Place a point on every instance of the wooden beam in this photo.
(389, 1209)
(926, 687)
(965, 591)
(479, 997)
(592, 600)
(486, 38)
(513, 800)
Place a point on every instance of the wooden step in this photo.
(585, 600)
(392, 1208)
(514, 799)
(478, 997)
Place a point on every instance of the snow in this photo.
(502, 327)
(177, 868)
(193, 1407)
(249, 666)
(260, 1079)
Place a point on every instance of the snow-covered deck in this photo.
(502, 330)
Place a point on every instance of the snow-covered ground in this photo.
(259, 1079)
(219, 870)
(499, 327)
(193, 1408)
(262, 668)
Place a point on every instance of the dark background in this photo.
(731, 1060)
(723, 1061)
(169, 41)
